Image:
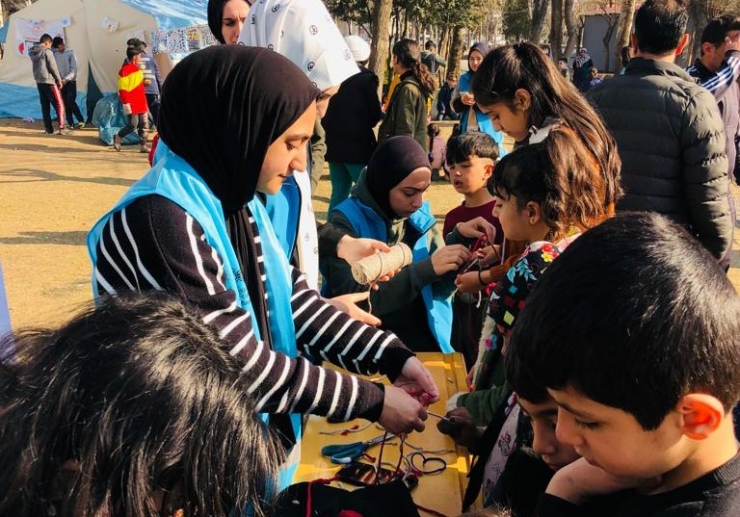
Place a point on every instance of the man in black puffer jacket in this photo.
(669, 131)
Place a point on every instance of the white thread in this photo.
(370, 269)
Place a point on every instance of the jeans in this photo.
(49, 94)
(139, 121)
(69, 96)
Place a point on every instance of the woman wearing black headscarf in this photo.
(195, 226)
(387, 205)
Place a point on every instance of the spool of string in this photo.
(371, 268)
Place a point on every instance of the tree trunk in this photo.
(539, 13)
(610, 28)
(380, 47)
(624, 28)
(700, 17)
(571, 27)
(556, 29)
(456, 50)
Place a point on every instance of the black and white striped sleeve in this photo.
(154, 244)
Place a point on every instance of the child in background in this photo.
(593, 74)
(133, 98)
(436, 151)
(635, 332)
(470, 160)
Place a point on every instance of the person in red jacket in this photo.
(133, 98)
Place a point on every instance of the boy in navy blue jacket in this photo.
(635, 331)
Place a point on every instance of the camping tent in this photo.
(97, 31)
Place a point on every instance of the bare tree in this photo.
(380, 46)
(539, 15)
(556, 29)
(624, 27)
(572, 28)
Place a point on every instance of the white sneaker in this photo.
(64, 131)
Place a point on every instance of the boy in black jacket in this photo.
(635, 331)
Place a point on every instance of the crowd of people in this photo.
(582, 277)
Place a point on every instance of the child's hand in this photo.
(581, 481)
(491, 255)
(459, 426)
(468, 282)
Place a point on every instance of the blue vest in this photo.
(367, 223)
(172, 178)
(484, 121)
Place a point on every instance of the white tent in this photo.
(97, 31)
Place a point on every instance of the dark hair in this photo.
(510, 67)
(132, 51)
(216, 17)
(659, 25)
(429, 45)
(716, 30)
(133, 42)
(634, 315)
(141, 395)
(472, 143)
(432, 129)
(563, 59)
(45, 38)
(407, 53)
(57, 41)
(558, 174)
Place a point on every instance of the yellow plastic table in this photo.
(442, 492)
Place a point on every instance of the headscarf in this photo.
(481, 47)
(221, 109)
(393, 160)
(582, 57)
(304, 32)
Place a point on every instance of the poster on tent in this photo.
(29, 32)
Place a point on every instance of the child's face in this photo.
(471, 175)
(514, 222)
(614, 441)
(512, 122)
(407, 197)
(544, 418)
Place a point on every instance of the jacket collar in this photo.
(642, 66)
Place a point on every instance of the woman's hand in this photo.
(416, 380)
(347, 303)
(401, 413)
(449, 258)
(476, 228)
(353, 249)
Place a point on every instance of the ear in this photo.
(633, 44)
(701, 415)
(706, 47)
(682, 44)
(533, 212)
(522, 99)
(488, 170)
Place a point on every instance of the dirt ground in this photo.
(52, 190)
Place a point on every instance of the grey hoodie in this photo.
(45, 69)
